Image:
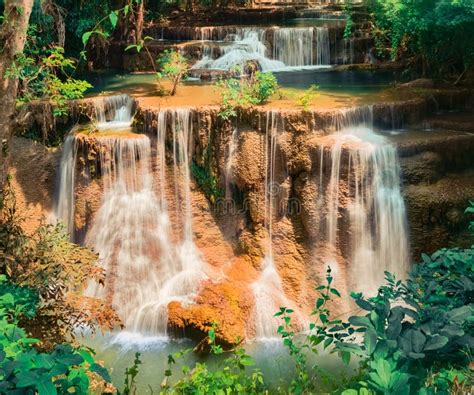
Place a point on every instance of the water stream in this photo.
(367, 165)
(292, 48)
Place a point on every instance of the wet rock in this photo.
(419, 83)
(227, 305)
(423, 167)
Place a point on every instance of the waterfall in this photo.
(148, 265)
(323, 49)
(129, 229)
(206, 35)
(248, 43)
(268, 291)
(364, 179)
(228, 176)
(186, 267)
(113, 112)
(294, 46)
(64, 200)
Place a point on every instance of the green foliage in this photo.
(131, 374)
(249, 90)
(436, 33)
(307, 379)
(25, 370)
(348, 8)
(416, 327)
(230, 378)
(470, 210)
(47, 75)
(307, 97)
(207, 181)
(413, 332)
(174, 66)
(57, 270)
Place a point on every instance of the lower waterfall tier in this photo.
(199, 221)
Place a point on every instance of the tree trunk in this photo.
(12, 40)
(140, 20)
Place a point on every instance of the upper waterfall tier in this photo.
(274, 48)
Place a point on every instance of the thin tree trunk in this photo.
(140, 21)
(12, 40)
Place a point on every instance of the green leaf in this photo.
(26, 379)
(8, 299)
(360, 321)
(113, 17)
(417, 341)
(460, 315)
(85, 37)
(363, 304)
(435, 343)
(101, 371)
(370, 340)
(384, 372)
(346, 357)
(46, 387)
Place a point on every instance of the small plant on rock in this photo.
(174, 66)
(307, 97)
(250, 90)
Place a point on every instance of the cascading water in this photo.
(113, 112)
(131, 231)
(368, 167)
(268, 291)
(128, 229)
(247, 44)
(294, 46)
(186, 268)
(64, 201)
(229, 162)
(323, 49)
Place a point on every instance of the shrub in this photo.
(47, 262)
(249, 90)
(47, 75)
(230, 378)
(307, 97)
(174, 66)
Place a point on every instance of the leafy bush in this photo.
(25, 370)
(436, 33)
(57, 270)
(174, 66)
(230, 378)
(47, 75)
(249, 90)
(416, 334)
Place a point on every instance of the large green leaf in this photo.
(418, 341)
(370, 340)
(435, 342)
(460, 314)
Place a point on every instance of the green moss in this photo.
(207, 181)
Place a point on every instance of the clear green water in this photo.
(270, 356)
(329, 81)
